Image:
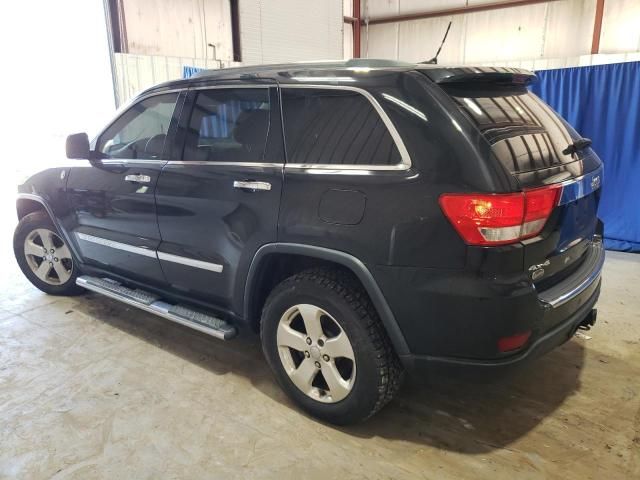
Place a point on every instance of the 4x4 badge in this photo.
(537, 271)
(595, 182)
(533, 268)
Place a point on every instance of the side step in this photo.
(151, 303)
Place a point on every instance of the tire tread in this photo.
(389, 369)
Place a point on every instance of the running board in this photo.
(152, 303)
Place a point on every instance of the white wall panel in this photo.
(569, 29)
(550, 30)
(347, 41)
(382, 41)
(179, 28)
(620, 26)
(509, 34)
(290, 30)
(379, 8)
(420, 39)
(347, 8)
(135, 73)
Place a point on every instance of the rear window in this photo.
(338, 127)
(525, 133)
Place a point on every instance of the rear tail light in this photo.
(501, 218)
(514, 342)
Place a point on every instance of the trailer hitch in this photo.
(589, 321)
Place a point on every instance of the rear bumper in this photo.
(426, 364)
(455, 319)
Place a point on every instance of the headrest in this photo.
(154, 145)
(251, 127)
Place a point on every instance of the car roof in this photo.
(333, 72)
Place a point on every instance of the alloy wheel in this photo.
(48, 256)
(316, 353)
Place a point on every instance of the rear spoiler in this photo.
(495, 75)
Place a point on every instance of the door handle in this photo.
(138, 178)
(251, 185)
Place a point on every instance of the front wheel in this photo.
(44, 257)
(327, 347)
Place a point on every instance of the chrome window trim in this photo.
(215, 87)
(209, 163)
(191, 262)
(577, 188)
(345, 168)
(405, 163)
(115, 161)
(117, 245)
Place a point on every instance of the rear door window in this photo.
(228, 125)
(336, 127)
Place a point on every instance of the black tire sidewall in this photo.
(26, 225)
(363, 397)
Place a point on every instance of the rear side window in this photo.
(141, 131)
(338, 127)
(228, 125)
(524, 132)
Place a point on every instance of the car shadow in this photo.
(467, 416)
(449, 413)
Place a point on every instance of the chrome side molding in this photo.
(191, 262)
(147, 252)
(117, 245)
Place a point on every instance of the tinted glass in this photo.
(228, 125)
(335, 127)
(141, 131)
(525, 133)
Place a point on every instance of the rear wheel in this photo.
(327, 347)
(44, 257)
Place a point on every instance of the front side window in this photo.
(141, 131)
(228, 125)
(341, 127)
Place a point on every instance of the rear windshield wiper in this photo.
(577, 145)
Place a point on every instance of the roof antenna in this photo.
(434, 60)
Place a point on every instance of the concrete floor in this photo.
(90, 388)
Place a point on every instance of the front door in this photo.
(219, 203)
(113, 221)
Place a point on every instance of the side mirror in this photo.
(78, 146)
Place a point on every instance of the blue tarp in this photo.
(603, 103)
(188, 71)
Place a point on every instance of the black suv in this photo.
(365, 217)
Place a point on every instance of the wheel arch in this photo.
(254, 293)
(27, 203)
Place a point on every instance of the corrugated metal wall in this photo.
(271, 31)
(135, 73)
(181, 28)
(546, 30)
(275, 31)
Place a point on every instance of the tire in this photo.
(33, 232)
(367, 382)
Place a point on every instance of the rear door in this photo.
(532, 142)
(112, 198)
(218, 202)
